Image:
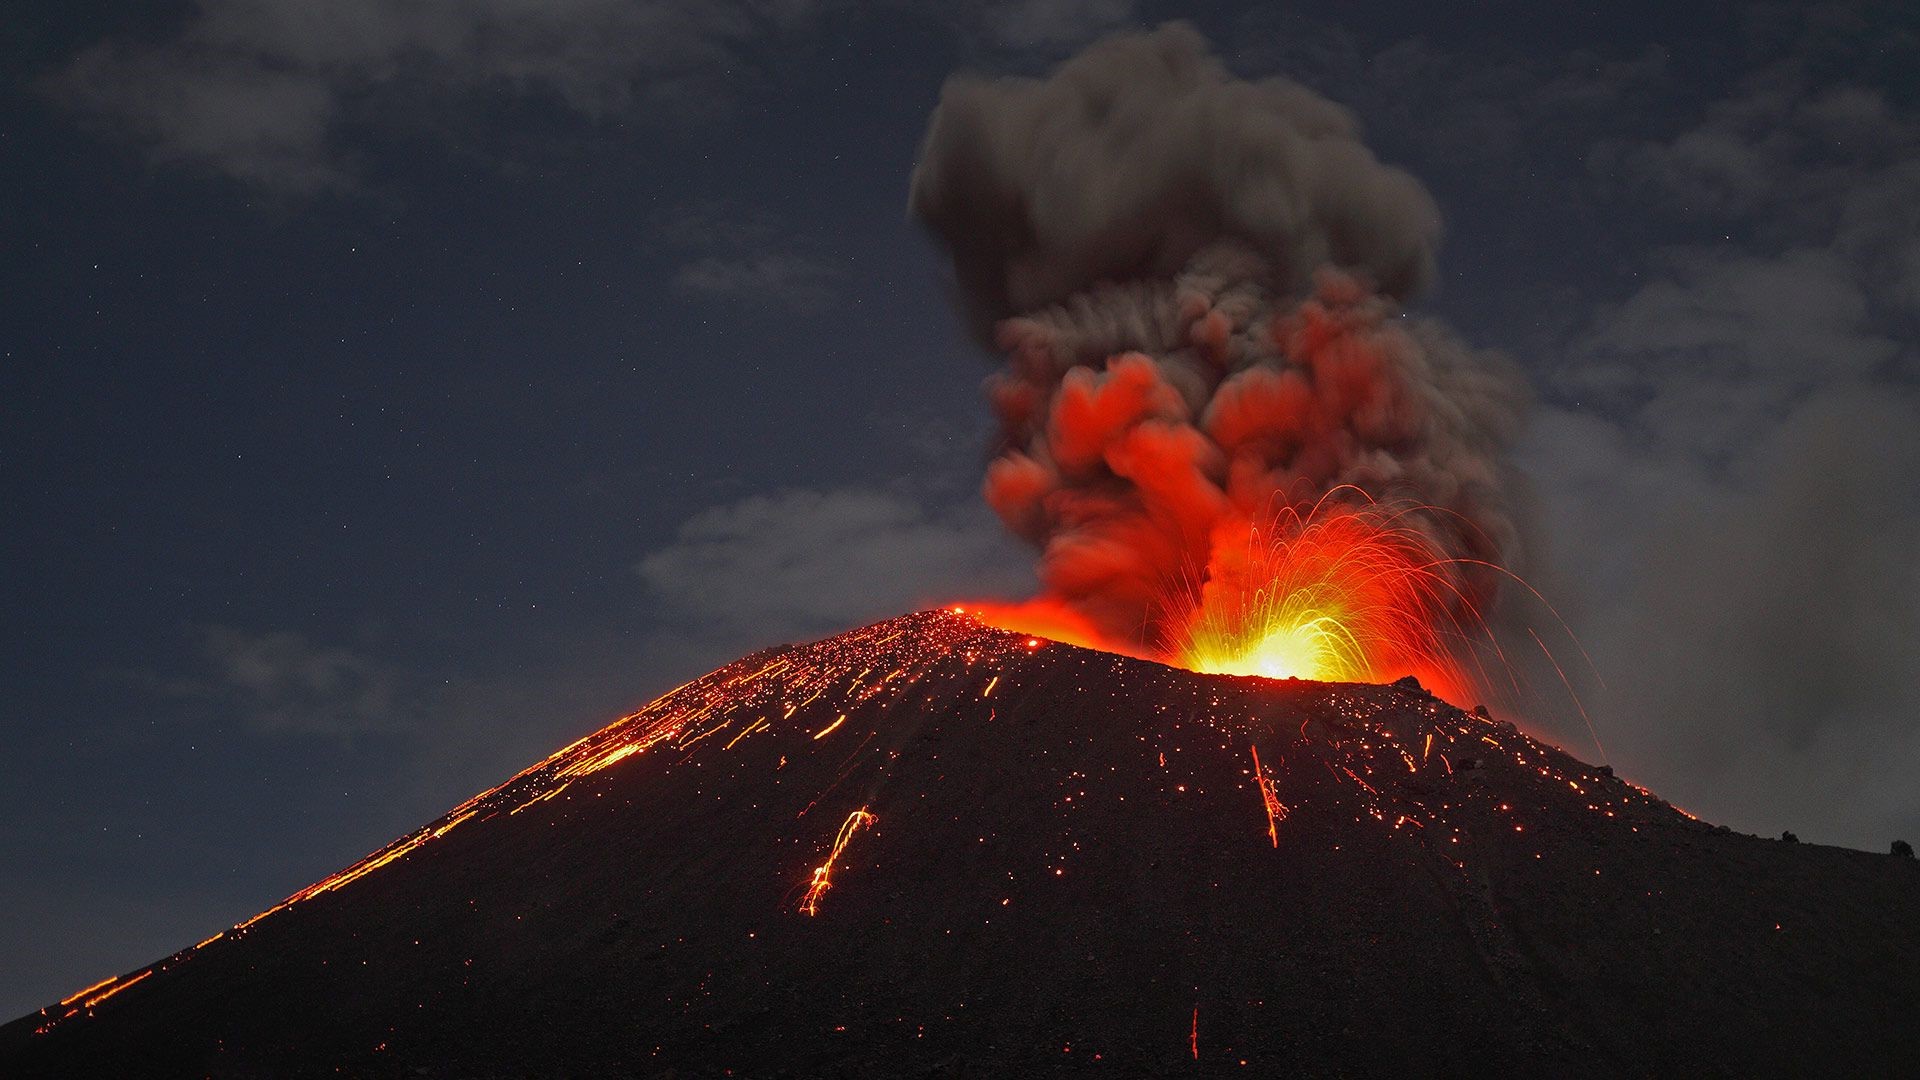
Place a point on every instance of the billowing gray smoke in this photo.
(1143, 150)
(1195, 279)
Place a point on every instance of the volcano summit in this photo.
(931, 847)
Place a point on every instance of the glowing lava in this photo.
(1347, 590)
(1051, 620)
(823, 874)
(1340, 594)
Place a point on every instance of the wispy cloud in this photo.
(780, 279)
(279, 682)
(1731, 469)
(739, 256)
(262, 90)
(803, 562)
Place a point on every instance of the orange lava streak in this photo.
(758, 725)
(88, 990)
(822, 874)
(114, 989)
(1276, 810)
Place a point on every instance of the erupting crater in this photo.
(1346, 590)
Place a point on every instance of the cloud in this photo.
(1799, 314)
(280, 683)
(1718, 346)
(807, 562)
(1754, 624)
(1720, 342)
(716, 225)
(275, 93)
(1034, 24)
(1731, 469)
(261, 90)
(257, 123)
(740, 255)
(1779, 144)
(780, 279)
(737, 576)
(1482, 111)
(1789, 161)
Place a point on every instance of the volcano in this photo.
(931, 847)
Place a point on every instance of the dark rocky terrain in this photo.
(1071, 865)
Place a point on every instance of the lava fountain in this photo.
(1343, 591)
(1337, 594)
(1232, 445)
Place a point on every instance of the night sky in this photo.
(390, 396)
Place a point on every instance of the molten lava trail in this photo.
(822, 874)
(1276, 810)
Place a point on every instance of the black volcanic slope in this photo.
(1070, 865)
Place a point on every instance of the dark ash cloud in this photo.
(1195, 280)
(1138, 153)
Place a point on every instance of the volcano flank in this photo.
(930, 847)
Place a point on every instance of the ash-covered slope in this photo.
(1038, 859)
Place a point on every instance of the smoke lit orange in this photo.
(1347, 590)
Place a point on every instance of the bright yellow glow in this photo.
(1293, 640)
(1338, 594)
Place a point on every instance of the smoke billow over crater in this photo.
(1196, 281)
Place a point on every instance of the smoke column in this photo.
(1196, 281)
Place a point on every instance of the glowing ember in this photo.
(1339, 594)
(1276, 810)
(822, 874)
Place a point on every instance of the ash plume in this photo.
(1196, 281)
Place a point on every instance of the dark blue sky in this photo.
(384, 404)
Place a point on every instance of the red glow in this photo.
(1048, 620)
(1344, 591)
